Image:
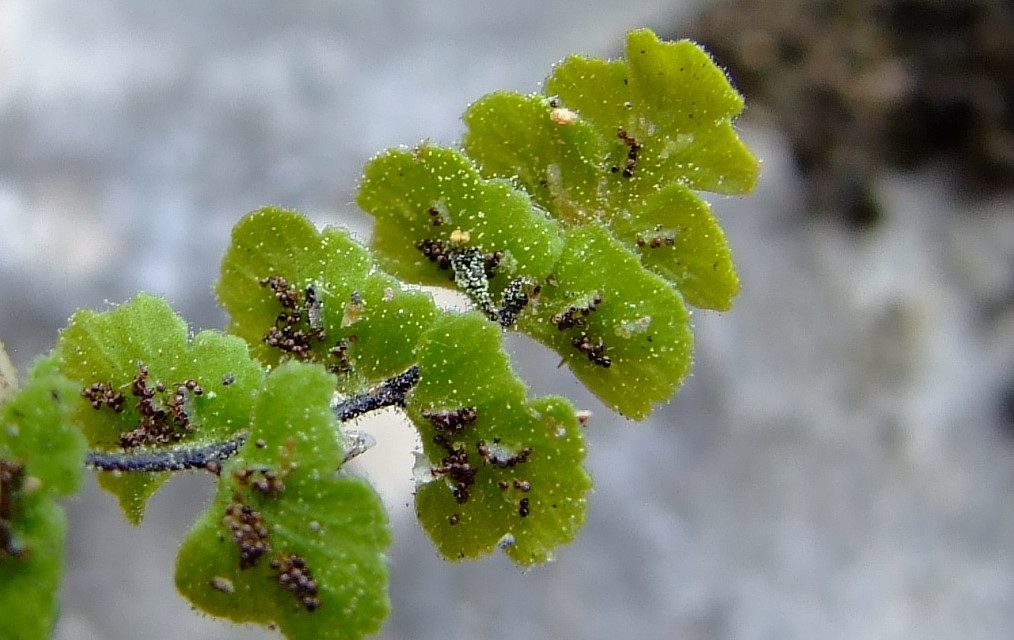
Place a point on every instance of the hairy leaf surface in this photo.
(679, 238)
(634, 318)
(560, 161)
(613, 138)
(433, 193)
(334, 523)
(40, 460)
(672, 99)
(115, 348)
(355, 320)
(528, 503)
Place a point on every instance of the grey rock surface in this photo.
(837, 466)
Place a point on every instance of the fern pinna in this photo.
(571, 216)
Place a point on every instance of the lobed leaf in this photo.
(29, 586)
(39, 433)
(360, 323)
(634, 326)
(552, 152)
(678, 237)
(508, 475)
(335, 524)
(113, 349)
(672, 99)
(40, 459)
(613, 154)
(614, 137)
(559, 161)
(433, 193)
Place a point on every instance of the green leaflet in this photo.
(486, 489)
(575, 153)
(30, 586)
(434, 193)
(388, 326)
(651, 360)
(562, 164)
(602, 298)
(334, 523)
(559, 162)
(357, 321)
(679, 238)
(40, 460)
(672, 99)
(613, 154)
(37, 430)
(573, 217)
(109, 349)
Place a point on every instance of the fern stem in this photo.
(390, 392)
(206, 457)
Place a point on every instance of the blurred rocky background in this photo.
(841, 463)
(863, 86)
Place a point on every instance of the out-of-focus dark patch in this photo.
(860, 86)
(1006, 408)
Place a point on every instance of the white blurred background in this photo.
(840, 465)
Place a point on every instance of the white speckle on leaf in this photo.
(562, 116)
(222, 584)
(628, 329)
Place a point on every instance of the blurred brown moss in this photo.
(859, 86)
